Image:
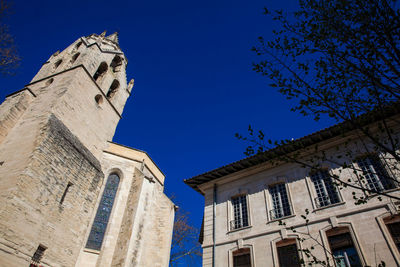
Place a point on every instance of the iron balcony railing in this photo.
(237, 224)
(324, 201)
(280, 212)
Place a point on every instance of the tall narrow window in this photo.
(280, 201)
(99, 226)
(37, 257)
(78, 45)
(374, 174)
(393, 225)
(101, 71)
(326, 191)
(288, 254)
(342, 247)
(241, 258)
(65, 192)
(57, 64)
(75, 57)
(240, 215)
(116, 64)
(113, 89)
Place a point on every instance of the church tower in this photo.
(53, 134)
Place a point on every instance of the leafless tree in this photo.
(9, 58)
(185, 247)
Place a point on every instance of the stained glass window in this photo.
(99, 226)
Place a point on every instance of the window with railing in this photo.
(374, 174)
(326, 191)
(280, 202)
(240, 215)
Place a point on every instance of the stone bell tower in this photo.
(52, 136)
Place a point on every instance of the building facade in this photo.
(264, 211)
(70, 196)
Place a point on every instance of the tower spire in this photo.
(113, 37)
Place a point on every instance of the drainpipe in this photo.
(214, 215)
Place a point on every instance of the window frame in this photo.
(314, 193)
(290, 240)
(231, 217)
(113, 89)
(359, 172)
(353, 234)
(57, 64)
(236, 248)
(99, 75)
(270, 205)
(111, 214)
(395, 221)
(382, 222)
(248, 252)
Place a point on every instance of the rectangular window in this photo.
(394, 229)
(288, 254)
(325, 189)
(241, 258)
(280, 202)
(342, 248)
(37, 257)
(374, 173)
(240, 215)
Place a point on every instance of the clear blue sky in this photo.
(194, 84)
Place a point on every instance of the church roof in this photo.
(306, 141)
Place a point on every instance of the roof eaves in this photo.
(306, 141)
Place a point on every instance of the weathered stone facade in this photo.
(244, 209)
(56, 156)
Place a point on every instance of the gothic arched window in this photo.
(113, 89)
(99, 226)
(100, 71)
(58, 63)
(116, 64)
(78, 45)
(74, 57)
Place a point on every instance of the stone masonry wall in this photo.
(125, 232)
(11, 110)
(71, 97)
(158, 231)
(139, 230)
(32, 214)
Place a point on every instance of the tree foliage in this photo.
(9, 58)
(337, 59)
(340, 59)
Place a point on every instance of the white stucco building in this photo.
(253, 207)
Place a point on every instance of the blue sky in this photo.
(194, 84)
